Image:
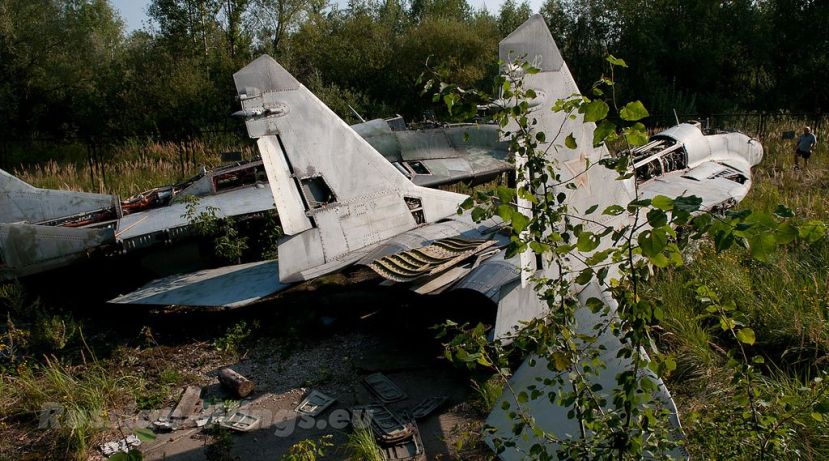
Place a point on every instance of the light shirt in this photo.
(806, 142)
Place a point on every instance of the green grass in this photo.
(83, 395)
(361, 445)
(786, 301)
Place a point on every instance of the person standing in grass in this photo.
(805, 143)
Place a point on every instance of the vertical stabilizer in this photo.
(334, 193)
(596, 185)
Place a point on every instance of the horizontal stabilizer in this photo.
(231, 286)
(26, 249)
(21, 202)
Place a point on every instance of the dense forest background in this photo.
(69, 70)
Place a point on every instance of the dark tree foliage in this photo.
(68, 69)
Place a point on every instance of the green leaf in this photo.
(786, 233)
(595, 304)
(613, 210)
(570, 141)
(587, 242)
(812, 231)
(584, 276)
(560, 361)
(662, 202)
(478, 214)
(746, 336)
(652, 242)
(594, 110)
(145, 435)
(783, 211)
(762, 245)
(614, 61)
(591, 209)
(519, 222)
(603, 131)
(505, 194)
(450, 100)
(657, 218)
(633, 111)
(636, 135)
(816, 416)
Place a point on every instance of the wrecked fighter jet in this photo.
(341, 203)
(43, 229)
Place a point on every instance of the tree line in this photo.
(69, 69)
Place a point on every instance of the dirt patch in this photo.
(335, 366)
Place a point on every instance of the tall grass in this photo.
(786, 300)
(132, 167)
(71, 403)
(361, 445)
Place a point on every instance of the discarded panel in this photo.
(427, 406)
(383, 388)
(387, 426)
(188, 403)
(240, 421)
(124, 445)
(315, 403)
(408, 449)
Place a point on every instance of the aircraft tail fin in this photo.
(595, 185)
(335, 194)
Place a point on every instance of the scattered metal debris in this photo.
(315, 403)
(427, 406)
(397, 435)
(387, 426)
(238, 384)
(163, 425)
(407, 449)
(383, 388)
(240, 421)
(124, 445)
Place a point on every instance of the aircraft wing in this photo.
(437, 156)
(230, 286)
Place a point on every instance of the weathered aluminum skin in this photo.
(27, 249)
(365, 196)
(21, 202)
(231, 286)
(712, 160)
(246, 200)
(449, 154)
